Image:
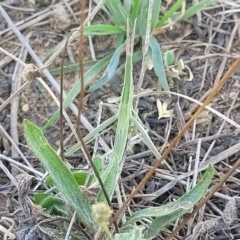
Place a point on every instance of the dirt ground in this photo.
(208, 44)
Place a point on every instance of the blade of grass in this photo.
(71, 68)
(114, 61)
(169, 13)
(88, 76)
(102, 29)
(137, 56)
(155, 13)
(91, 135)
(158, 63)
(125, 107)
(171, 211)
(197, 7)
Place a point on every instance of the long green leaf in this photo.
(196, 8)
(59, 172)
(173, 210)
(91, 135)
(158, 63)
(71, 68)
(184, 203)
(88, 76)
(125, 110)
(102, 29)
(114, 61)
(137, 56)
(187, 201)
(134, 234)
(155, 13)
(169, 13)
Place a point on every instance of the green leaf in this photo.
(173, 210)
(51, 203)
(71, 68)
(137, 56)
(127, 5)
(158, 63)
(135, 10)
(88, 76)
(114, 61)
(155, 13)
(80, 178)
(185, 203)
(135, 233)
(142, 19)
(115, 14)
(169, 13)
(59, 172)
(98, 163)
(196, 8)
(124, 15)
(102, 29)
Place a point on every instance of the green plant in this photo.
(67, 185)
(155, 14)
(66, 181)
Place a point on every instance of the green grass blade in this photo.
(173, 210)
(196, 8)
(91, 135)
(169, 13)
(155, 13)
(124, 16)
(158, 63)
(102, 29)
(53, 51)
(147, 140)
(135, 10)
(125, 110)
(116, 16)
(135, 233)
(114, 61)
(187, 201)
(142, 19)
(71, 68)
(88, 76)
(59, 172)
(137, 57)
(127, 5)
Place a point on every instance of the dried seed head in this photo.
(30, 73)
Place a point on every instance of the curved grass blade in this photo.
(135, 10)
(173, 210)
(137, 56)
(91, 135)
(135, 233)
(88, 76)
(142, 19)
(191, 198)
(169, 13)
(158, 63)
(196, 8)
(59, 172)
